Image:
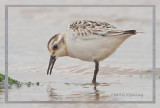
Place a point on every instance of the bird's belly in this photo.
(88, 50)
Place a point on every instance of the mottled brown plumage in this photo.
(85, 27)
(88, 41)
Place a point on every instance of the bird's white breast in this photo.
(90, 49)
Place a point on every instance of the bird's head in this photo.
(57, 48)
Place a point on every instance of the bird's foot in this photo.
(94, 82)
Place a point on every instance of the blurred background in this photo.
(30, 28)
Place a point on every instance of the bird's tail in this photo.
(120, 33)
(131, 32)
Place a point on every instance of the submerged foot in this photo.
(94, 82)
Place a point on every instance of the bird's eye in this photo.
(55, 46)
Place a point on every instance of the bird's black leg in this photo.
(95, 71)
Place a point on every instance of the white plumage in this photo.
(87, 40)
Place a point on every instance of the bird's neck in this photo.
(65, 45)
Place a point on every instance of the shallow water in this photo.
(81, 92)
(2, 95)
(69, 83)
(121, 76)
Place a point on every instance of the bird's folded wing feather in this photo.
(91, 29)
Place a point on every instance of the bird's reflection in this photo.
(96, 92)
(52, 95)
(92, 94)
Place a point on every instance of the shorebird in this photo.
(87, 40)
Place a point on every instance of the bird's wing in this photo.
(91, 29)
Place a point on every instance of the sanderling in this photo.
(88, 41)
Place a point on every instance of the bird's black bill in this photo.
(51, 64)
